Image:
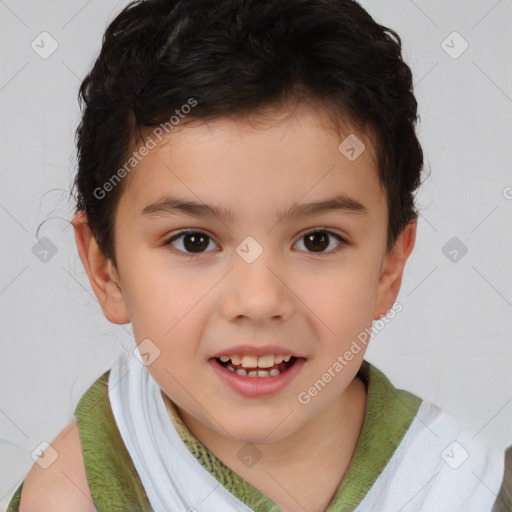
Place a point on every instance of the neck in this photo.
(319, 451)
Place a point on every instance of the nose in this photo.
(258, 290)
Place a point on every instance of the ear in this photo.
(104, 278)
(392, 271)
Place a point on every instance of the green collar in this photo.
(389, 413)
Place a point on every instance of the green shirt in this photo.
(116, 487)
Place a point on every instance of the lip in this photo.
(254, 387)
(253, 350)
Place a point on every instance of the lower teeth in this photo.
(253, 373)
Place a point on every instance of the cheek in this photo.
(341, 302)
(161, 301)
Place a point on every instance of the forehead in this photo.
(255, 162)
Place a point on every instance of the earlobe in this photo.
(104, 278)
(392, 271)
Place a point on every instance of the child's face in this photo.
(313, 304)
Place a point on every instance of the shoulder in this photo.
(504, 499)
(63, 485)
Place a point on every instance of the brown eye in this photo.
(319, 240)
(195, 242)
(190, 242)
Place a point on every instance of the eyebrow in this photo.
(176, 205)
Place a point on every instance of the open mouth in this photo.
(273, 371)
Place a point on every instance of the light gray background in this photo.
(452, 342)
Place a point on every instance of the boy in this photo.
(246, 200)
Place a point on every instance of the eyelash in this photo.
(342, 240)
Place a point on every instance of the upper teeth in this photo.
(249, 361)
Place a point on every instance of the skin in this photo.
(315, 303)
